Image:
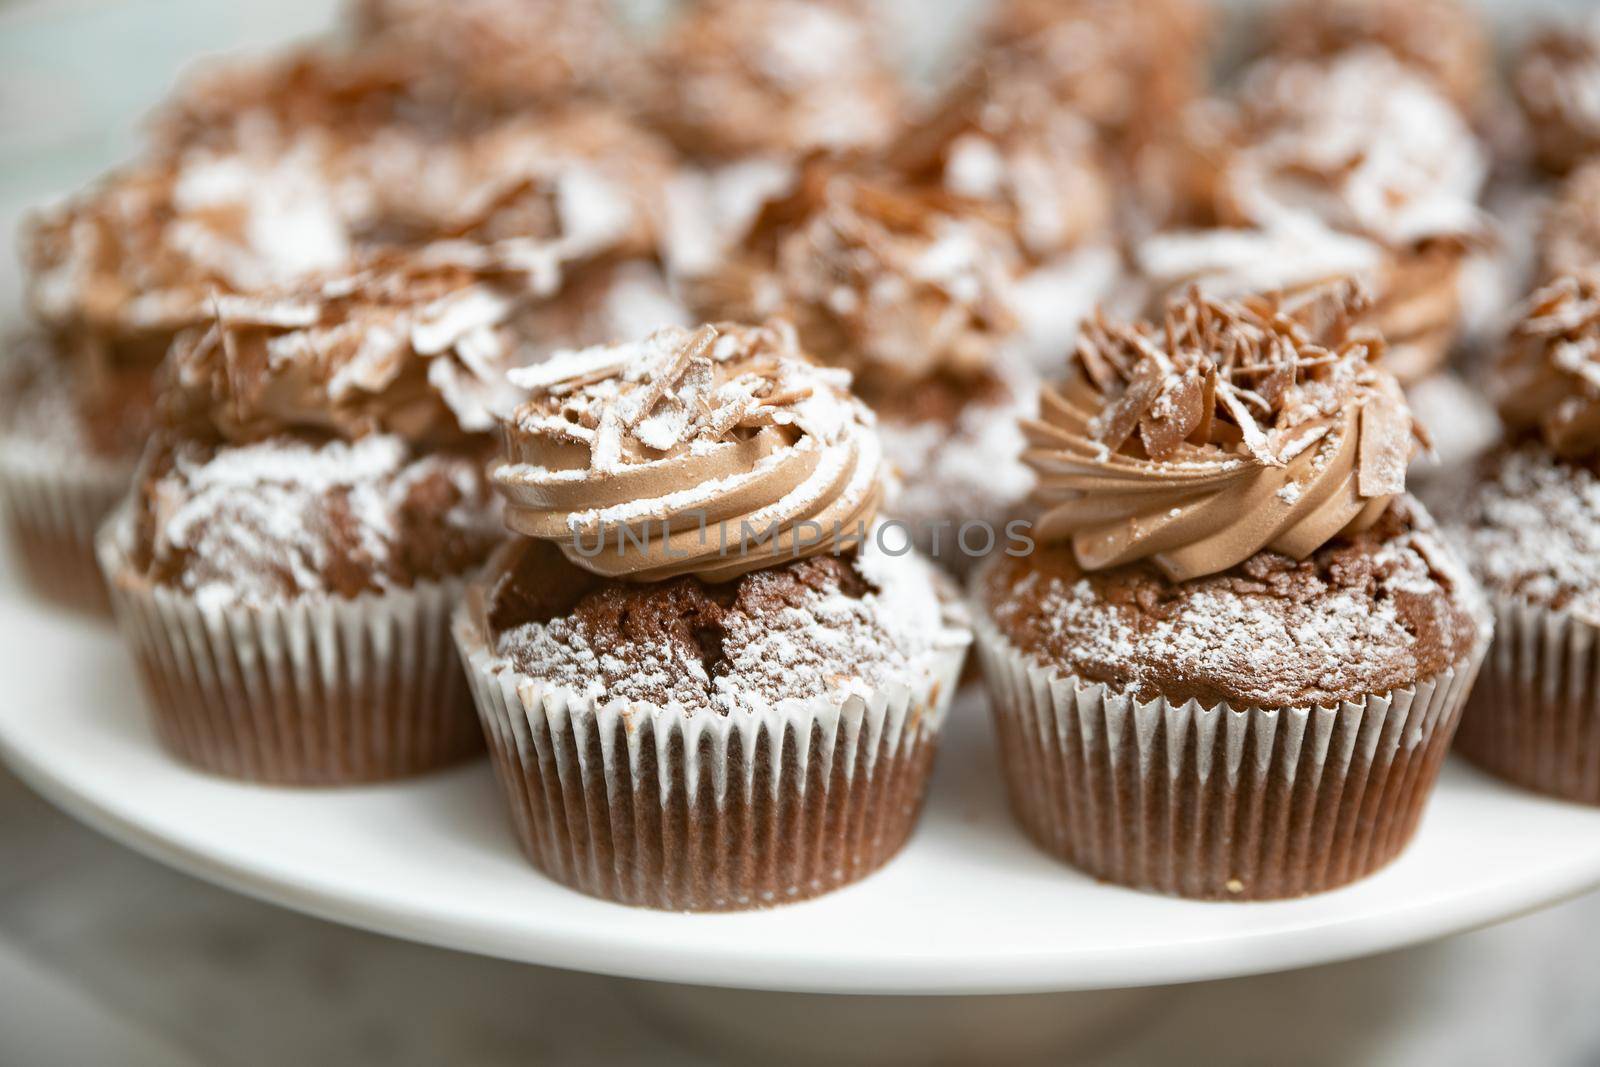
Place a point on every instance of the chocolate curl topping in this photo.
(713, 452)
(1549, 381)
(1231, 427)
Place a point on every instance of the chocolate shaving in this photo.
(1174, 416)
(1242, 374)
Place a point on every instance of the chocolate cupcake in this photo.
(571, 195)
(575, 181)
(304, 520)
(113, 275)
(747, 89)
(1445, 40)
(1037, 170)
(910, 291)
(706, 681)
(483, 56)
(69, 434)
(1129, 68)
(1354, 167)
(1530, 526)
(1569, 233)
(1236, 660)
(1552, 77)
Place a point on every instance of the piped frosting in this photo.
(713, 452)
(1230, 428)
(1549, 373)
(398, 347)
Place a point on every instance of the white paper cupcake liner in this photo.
(1534, 718)
(1213, 802)
(314, 691)
(54, 501)
(658, 807)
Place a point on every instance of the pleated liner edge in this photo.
(53, 505)
(654, 806)
(1534, 717)
(1213, 802)
(314, 691)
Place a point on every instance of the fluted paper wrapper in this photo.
(1534, 718)
(313, 691)
(655, 806)
(54, 502)
(1213, 802)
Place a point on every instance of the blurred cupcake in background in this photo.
(909, 291)
(1039, 171)
(746, 89)
(1569, 233)
(571, 194)
(303, 521)
(501, 56)
(113, 274)
(1444, 40)
(1529, 523)
(707, 680)
(1201, 677)
(573, 181)
(1128, 68)
(1553, 76)
(1353, 167)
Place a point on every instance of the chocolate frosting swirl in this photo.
(713, 452)
(401, 346)
(1549, 372)
(1232, 428)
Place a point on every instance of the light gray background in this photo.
(108, 958)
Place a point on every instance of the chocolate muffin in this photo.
(909, 290)
(304, 520)
(1552, 77)
(707, 678)
(575, 181)
(1201, 678)
(1350, 167)
(1530, 526)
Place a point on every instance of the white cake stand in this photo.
(969, 906)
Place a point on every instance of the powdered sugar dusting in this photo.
(1269, 634)
(1531, 529)
(821, 644)
(259, 522)
(971, 470)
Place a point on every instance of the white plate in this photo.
(968, 907)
